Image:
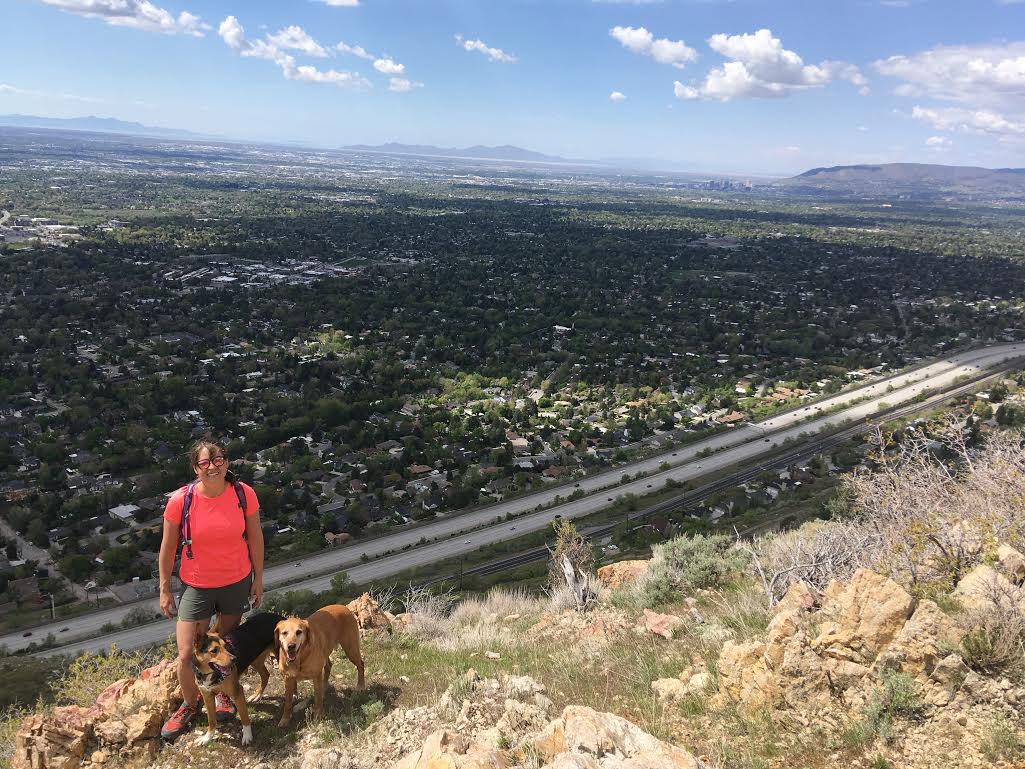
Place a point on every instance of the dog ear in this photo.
(277, 644)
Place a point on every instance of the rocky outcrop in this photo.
(448, 750)
(582, 737)
(125, 719)
(616, 575)
(665, 625)
(812, 661)
(692, 682)
(369, 615)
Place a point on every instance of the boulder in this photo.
(615, 575)
(916, 648)
(447, 750)
(782, 628)
(144, 725)
(864, 616)
(609, 741)
(113, 693)
(368, 614)
(1013, 563)
(114, 732)
(983, 586)
(798, 596)
(665, 625)
(56, 741)
(155, 689)
(692, 681)
(745, 677)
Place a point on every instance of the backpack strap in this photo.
(186, 528)
(187, 505)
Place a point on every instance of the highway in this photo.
(450, 536)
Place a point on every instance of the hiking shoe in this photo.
(225, 708)
(180, 722)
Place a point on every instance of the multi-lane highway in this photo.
(453, 535)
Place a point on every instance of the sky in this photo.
(730, 86)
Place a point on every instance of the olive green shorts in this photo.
(200, 603)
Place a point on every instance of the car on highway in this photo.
(512, 528)
(64, 629)
(466, 542)
(26, 634)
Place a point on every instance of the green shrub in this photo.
(686, 564)
(1002, 741)
(896, 698)
(995, 645)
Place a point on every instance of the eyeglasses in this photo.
(203, 464)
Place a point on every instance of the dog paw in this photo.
(204, 738)
(254, 697)
(247, 735)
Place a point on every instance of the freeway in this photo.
(452, 535)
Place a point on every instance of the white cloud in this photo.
(233, 34)
(664, 51)
(341, 3)
(355, 50)
(969, 121)
(402, 85)
(389, 67)
(938, 143)
(297, 39)
(617, 96)
(760, 67)
(985, 82)
(494, 54)
(137, 14)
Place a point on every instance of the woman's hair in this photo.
(213, 447)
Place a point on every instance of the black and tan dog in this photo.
(219, 662)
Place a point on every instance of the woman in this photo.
(221, 565)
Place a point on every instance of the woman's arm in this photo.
(168, 548)
(254, 536)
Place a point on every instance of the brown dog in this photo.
(304, 649)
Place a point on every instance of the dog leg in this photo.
(319, 684)
(239, 698)
(260, 666)
(286, 711)
(211, 718)
(356, 658)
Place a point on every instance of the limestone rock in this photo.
(916, 648)
(57, 741)
(143, 725)
(112, 732)
(368, 614)
(983, 585)
(447, 750)
(609, 740)
(572, 761)
(866, 614)
(798, 596)
(615, 575)
(664, 625)
(1013, 563)
(744, 676)
(782, 628)
(693, 680)
(156, 689)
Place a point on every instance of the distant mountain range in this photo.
(98, 124)
(505, 152)
(892, 179)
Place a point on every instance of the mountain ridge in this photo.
(910, 178)
(500, 152)
(96, 124)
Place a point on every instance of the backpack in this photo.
(186, 529)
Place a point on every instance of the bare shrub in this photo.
(995, 643)
(428, 612)
(498, 601)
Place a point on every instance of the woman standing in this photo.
(216, 519)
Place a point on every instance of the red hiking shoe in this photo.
(180, 722)
(225, 708)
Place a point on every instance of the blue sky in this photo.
(769, 86)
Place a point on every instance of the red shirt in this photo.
(220, 555)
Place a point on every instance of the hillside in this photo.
(504, 152)
(95, 124)
(889, 637)
(910, 179)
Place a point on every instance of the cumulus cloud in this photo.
(402, 85)
(494, 54)
(297, 39)
(233, 34)
(983, 75)
(137, 14)
(761, 68)
(355, 50)
(389, 67)
(664, 51)
(617, 96)
(982, 121)
(938, 143)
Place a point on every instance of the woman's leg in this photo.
(186, 633)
